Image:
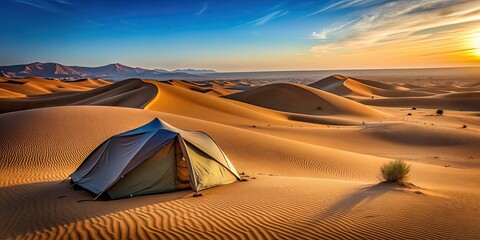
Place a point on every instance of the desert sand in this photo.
(311, 154)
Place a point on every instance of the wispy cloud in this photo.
(267, 18)
(94, 23)
(325, 32)
(342, 4)
(202, 9)
(405, 27)
(278, 5)
(46, 5)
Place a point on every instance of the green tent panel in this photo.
(154, 158)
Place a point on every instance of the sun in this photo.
(476, 43)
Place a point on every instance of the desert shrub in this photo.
(414, 108)
(395, 171)
(464, 126)
(439, 111)
(409, 114)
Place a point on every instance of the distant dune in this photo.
(32, 86)
(347, 86)
(465, 97)
(302, 99)
(128, 93)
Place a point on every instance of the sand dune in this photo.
(463, 102)
(347, 86)
(442, 96)
(474, 95)
(253, 152)
(235, 216)
(38, 86)
(312, 172)
(27, 150)
(181, 101)
(4, 93)
(298, 98)
(129, 93)
(415, 142)
(213, 88)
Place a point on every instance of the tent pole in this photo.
(97, 196)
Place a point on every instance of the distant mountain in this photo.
(189, 71)
(40, 70)
(195, 71)
(112, 71)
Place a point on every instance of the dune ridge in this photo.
(298, 98)
(347, 86)
(441, 95)
(129, 93)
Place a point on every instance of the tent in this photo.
(154, 158)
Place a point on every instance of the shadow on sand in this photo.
(30, 207)
(365, 195)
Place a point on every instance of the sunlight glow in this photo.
(476, 43)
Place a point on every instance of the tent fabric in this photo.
(154, 158)
(157, 174)
(207, 172)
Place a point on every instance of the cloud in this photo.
(404, 27)
(278, 5)
(203, 9)
(343, 4)
(50, 6)
(325, 32)
(267, 18)
(94, 23)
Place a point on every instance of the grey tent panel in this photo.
(154, 158)
(155, 175)
(114, 159)
(90, 162)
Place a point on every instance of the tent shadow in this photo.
(31, 207)
(359, 197)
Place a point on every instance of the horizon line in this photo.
(259, 71)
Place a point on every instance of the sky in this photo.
(259, 35)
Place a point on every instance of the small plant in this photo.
(395, 171)
(409, 114)
(439, 111)
(464, 126)
(414, 108)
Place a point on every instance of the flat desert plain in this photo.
(311, 154)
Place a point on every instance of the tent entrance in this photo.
(182, 179)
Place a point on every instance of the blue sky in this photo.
(238, 35)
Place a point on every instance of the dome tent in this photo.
(154, 158)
